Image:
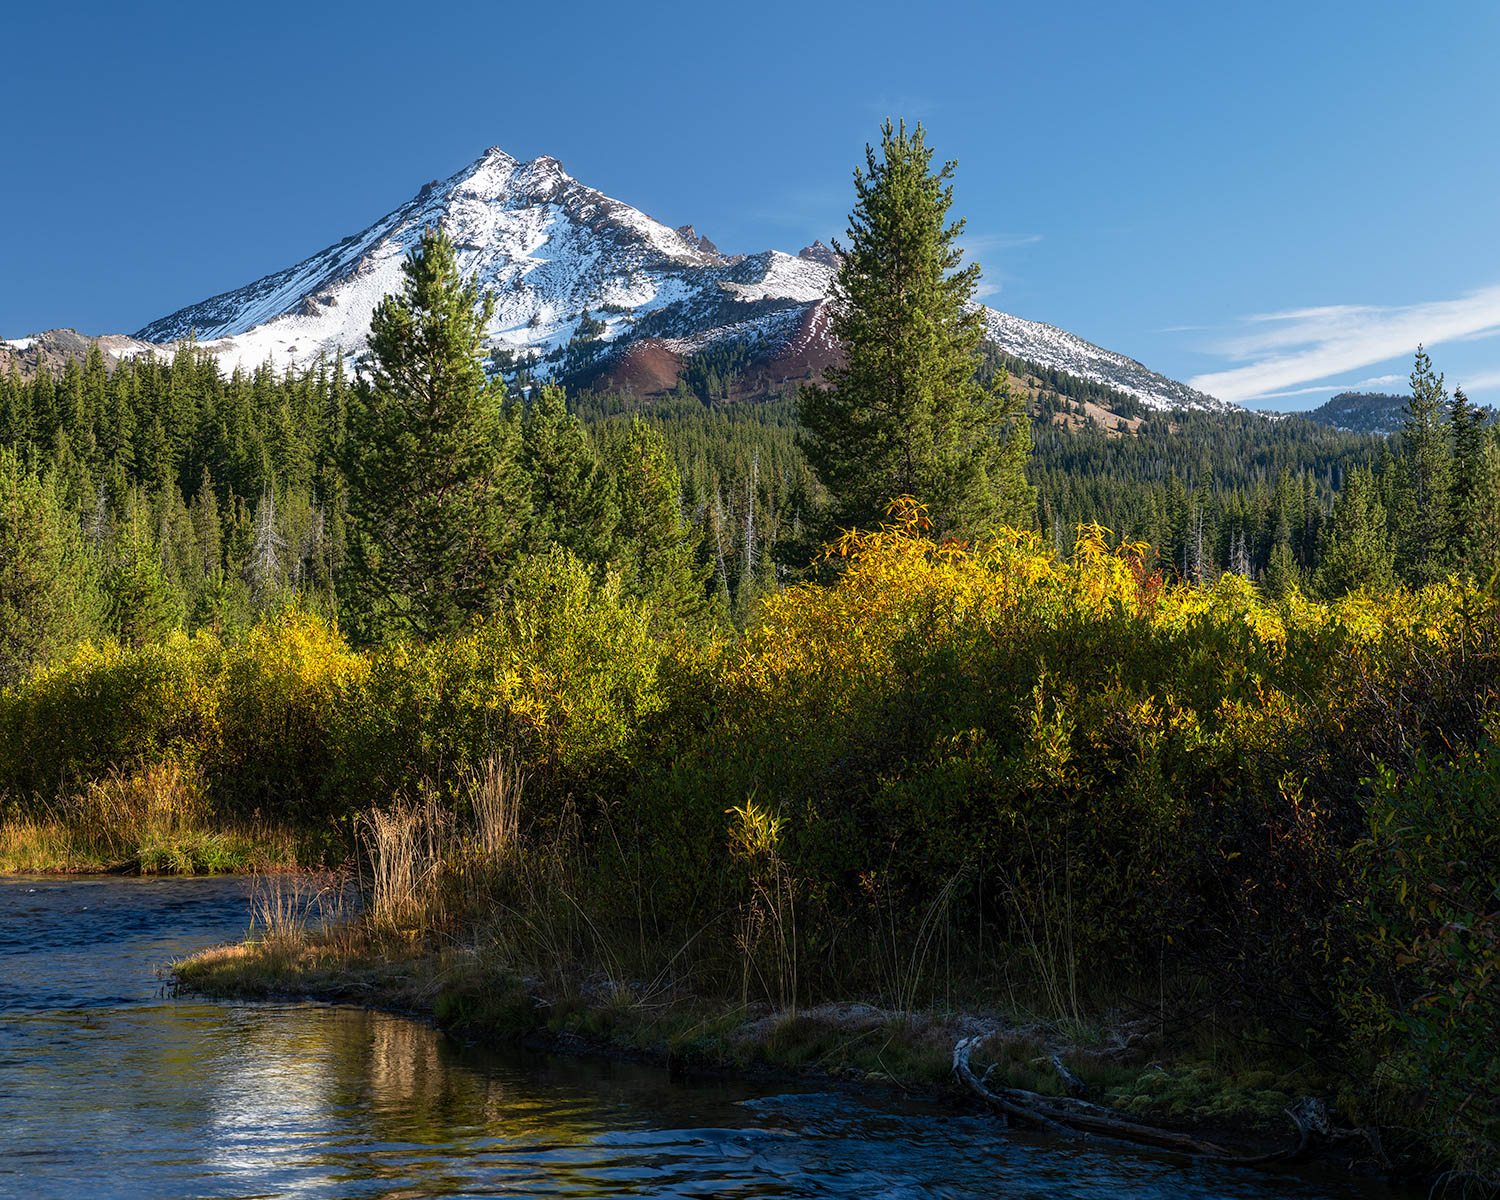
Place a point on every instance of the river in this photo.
(110, 1086)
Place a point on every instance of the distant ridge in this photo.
(1360, 412)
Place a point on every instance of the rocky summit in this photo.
(590, 288)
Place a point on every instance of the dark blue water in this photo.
(111, 1087)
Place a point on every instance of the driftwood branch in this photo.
(1070, 1081)
(1068, 1115)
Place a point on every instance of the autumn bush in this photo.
(291, 722)
(1075, 776)
(562, 681)
(106, 706)
(1421, 973)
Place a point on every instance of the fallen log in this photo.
(1070, 1081)
(995, 1100)
(1064, 1116)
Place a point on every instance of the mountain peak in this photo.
(548, 247)
(820, 253)
(542, 175)
(693, 238)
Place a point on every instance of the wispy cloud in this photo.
(994, 245)
(1300, 346)
(1484, 381)
(1356, 385)
(983, 243)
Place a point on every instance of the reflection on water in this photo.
(109, 1087)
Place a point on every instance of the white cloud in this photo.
(1357, 385)
(1485, 381)
(1287, 349)
(993, 280)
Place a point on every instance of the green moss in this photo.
(487, 1003)
(1206, 1094)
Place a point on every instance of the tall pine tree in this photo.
(905, 414)
(571, 503)
(437, 505)
(654, 546)
(47, 595)
(1422, 496)
(1464, 533)
(1356, 547)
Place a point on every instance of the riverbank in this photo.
(984, 779)
(1207, 1087)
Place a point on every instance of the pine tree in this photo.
(47, 598)
(1467, 428)
(210, 533)
(1356, 546)
(1422, 495)
(1282, 573)
(1485, 537)
(44, 424)
(655, 548)
(905, 414)
(17, 427)
(436, 503)
(570, 501)
(141, 606)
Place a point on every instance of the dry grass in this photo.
(428, 866)
(495, 798)
(285, 906)
(407, 845)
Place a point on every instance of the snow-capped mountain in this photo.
(554, 252)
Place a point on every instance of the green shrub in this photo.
(1422, 973)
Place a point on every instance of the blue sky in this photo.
(1273, 201)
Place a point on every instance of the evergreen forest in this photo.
(182, 499)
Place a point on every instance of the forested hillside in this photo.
(194, 499)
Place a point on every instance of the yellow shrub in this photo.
(106, 706)
(283, 690)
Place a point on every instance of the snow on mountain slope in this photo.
(1049, 346)
(551, 249)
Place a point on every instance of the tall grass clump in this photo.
(409, 845)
